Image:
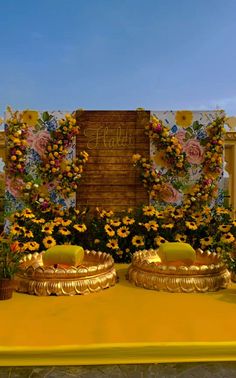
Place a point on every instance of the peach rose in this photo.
(180, 135)
(169, 194)
(14, 186)
(194, 151)
(38, 141)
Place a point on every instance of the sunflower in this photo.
(49, 241)
(227, 238)
(28, 234)
(123, 232)
(115, 222)
(151, 225)
(191, 225)
(222, 210)
(18, 246)
(167, 226)
(38, 221)
(127, 220)
(206, 241)
(16, 229)
(64, 231)
(27, 213)
(234, 223)
(47, 229)
(109, 230)
(58, 221)
(66, 223)
(197, 217)
(184, 118)
(149, 210)
(30, 117)
(159, 240)
(80, 227)
(138, 241)
(113, 244)
(224, 227)
(181, 238)
(32, 246)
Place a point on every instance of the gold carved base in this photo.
(96, 273)
(208, 273)
(233, 276)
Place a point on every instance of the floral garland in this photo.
(26, 129)
(173, 159)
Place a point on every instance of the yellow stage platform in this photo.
(123, 324)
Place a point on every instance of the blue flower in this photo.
(51, 125)
(201, 134)
(174, 129)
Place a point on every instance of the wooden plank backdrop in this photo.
(111, 138)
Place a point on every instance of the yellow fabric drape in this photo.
(123, 324)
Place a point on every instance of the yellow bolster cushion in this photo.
(71, 255)
(177, 252)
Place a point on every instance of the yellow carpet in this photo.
(123, 324)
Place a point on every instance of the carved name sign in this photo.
(111, 138)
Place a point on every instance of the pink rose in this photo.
(38, 141)
(14, 186)
(194, 151)
(169, 194)
(180, 135)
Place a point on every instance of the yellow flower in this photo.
(115, 222)
(30, 117)
(66, 223)
(32, 246)
(64, 231)
(191, 225)
(206, 241)
(96, 241)
(135, 158)
(224, 227)
(167, 225)
(138, 241)
(109, 230)
(47, 228)
(16, 229)
(80, 227)
(126, 220)
(113, 244)
(28, 234)
(159, 240)
(123, 232)
(151, 225)
(27, 213)
(181, 238)
(149, 210)
(159, 159)
(184, 118)
(49, 241)
(41, 220)
(19, 246)
(227, 238)
(222, 210)
(58, 221)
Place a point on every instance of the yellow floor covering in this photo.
(123, 324)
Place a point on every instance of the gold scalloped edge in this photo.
(233, 276)
(41, 281)
(211, 264)
(179, 284)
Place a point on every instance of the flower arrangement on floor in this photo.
(40, 230)
(121, 236)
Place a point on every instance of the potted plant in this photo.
(9, 265)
